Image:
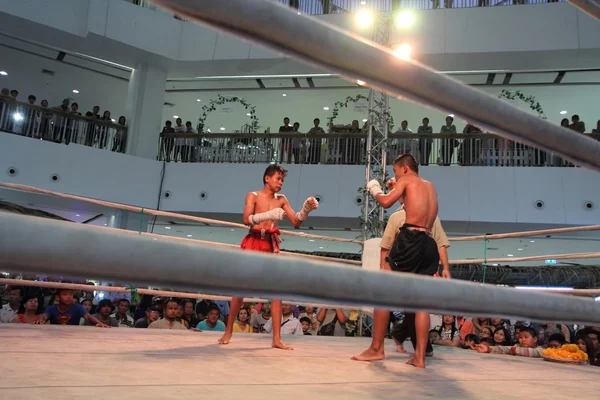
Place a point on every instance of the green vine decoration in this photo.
(220, 100)
(530, 100)
(375, 115)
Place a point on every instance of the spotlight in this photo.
(364, 18)
(360, 83)
(75, 91)
(3, 73)
(175, 116)
(198, 100)
(326, 108)
(405, 19)
(563, 112)
(222, 128)
(403, 51)
(18, 117)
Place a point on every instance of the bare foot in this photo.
(225, 338)
(400, 349)
(416, 362)
(278, 344)
(370, 355)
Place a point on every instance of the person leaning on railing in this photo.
(314, 144)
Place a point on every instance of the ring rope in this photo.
(568, 256)
(32, 189)
(510, 235)
(141, 260)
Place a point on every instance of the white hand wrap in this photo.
(374, 188)
(273, 215)
(307, 208)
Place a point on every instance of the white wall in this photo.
(305, 105)
(465, 193)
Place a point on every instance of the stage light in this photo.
(364, 18)
(360, 83)
(403, 51)
(405, 19)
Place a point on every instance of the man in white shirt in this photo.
(10, 309)
(289, 324)
(122, 314)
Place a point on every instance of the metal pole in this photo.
(129, 257)
(354, 58)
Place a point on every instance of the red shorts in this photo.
(266, 241)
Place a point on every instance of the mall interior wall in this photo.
(486, 194)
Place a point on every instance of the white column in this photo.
(145, 101)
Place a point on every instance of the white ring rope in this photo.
(141, 210)
(570, 256)
(354, 57)
(95, 252)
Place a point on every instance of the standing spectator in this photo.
(314, 144)
(296, 144)
(425, 144)
(448, 145)
(191, 144)
(31, 99)
(289, 324)
(577, 125)
(286, 144)
(179, 142)
(60, 122)
(168, 142)
(404, 146)
(124, 320)
(64, 312)
(28, 310)
(29, 117)
(597, 128)
(103, 135)
(4, 108)
(73, 125)
(152, 314)
(92, 129)
(169, 321)
(14, 94)
(189, 314)
(103, 311)
(242, 324)
(10, 310)
(212, 322)
(119, 139)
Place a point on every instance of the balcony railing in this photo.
(478, 149)
(55, 125)
(319, 7)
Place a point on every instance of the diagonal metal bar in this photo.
(590, 7)
(357, 58)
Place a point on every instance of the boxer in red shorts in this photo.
(262, 211)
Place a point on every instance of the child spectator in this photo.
(527, 347)
(67, 313)
(470, 342)
(556, 340)
(306, 324)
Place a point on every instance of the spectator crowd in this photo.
(31, 305)
(62, 123)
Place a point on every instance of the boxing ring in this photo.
(167, 364)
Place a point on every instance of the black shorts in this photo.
(414, 251)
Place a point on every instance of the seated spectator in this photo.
(471, 341)
(241, 324)
(502, 337)
(527, 347)
(434, 335)
(124, 320)
(586, 345)
(306, 324)
(179, 316)
(10, 309)
(88, 305)
(152, 314)
(103, 311)
(486, 333)
(289, 324)
(203, 307)
(212, 322)
(449, 333)
(223, 308)
(558, 328)
(333, 321)
(309, 312)
(64, 312)
(28, 310)
(591, 333)
(556, 340)
(464, 326)
(189, 315)
(259, 319)
(169, 321)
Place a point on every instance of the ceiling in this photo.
(341, 228)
